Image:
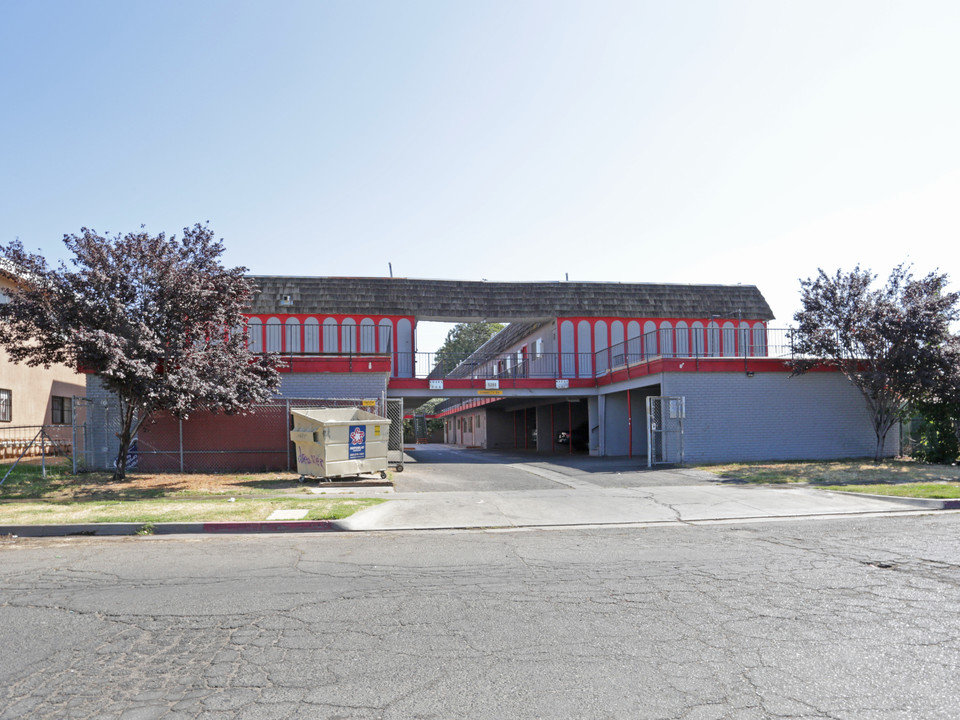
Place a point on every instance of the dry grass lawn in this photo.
(841, 472)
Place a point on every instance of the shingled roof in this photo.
(470, 301)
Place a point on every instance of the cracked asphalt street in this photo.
(829, 618)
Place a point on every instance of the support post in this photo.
(73, 432)
(629, 425)
(553, 434)
(569, 428)
(181, 445)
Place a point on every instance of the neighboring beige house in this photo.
(34, 395)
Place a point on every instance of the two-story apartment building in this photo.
(573, 369)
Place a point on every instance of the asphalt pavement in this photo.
(828, 618)
(444, 487)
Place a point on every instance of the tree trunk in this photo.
(125, 435)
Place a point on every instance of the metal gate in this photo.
(665, 417)
(395, 443)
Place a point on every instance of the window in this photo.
(6, 405)
(61, 412)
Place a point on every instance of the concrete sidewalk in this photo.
(602, 506)
(544, 508)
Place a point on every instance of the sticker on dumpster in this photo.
(358, 443)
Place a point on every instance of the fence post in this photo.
(180, 423)
(286, 421)
(73, 423)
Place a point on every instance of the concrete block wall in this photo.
(772, 416)
(617, 421)
(333, 385)
(101, 444)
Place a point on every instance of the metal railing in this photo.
(669, 343)
(15, 440)
(297, 338)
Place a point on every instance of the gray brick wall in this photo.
(102, 423)
(333, 385)
(772, 416)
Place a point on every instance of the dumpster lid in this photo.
(325, 416)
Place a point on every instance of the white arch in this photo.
(568, 365)
(331, 336)
(649, 338)
(683, 339)
(368, 337)
(729, 339)
(274, 335)
(292, 335)
(760, 340)
(255, 335)
(385, 339)
(634, 341)
(666, 339)
(584, 349)
(311, 335)
(348, 335)
(601, 346)
(405, 364)
(713, 339)
(743, 339)
(696, 336)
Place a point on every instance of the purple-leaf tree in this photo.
(892, 342)
(158, 319)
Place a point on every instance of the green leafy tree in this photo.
(463, 340)
(892, 342)
(159, 320)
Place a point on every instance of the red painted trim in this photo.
(320, 317)
(656, 320)
(476, 384)
(338, 364)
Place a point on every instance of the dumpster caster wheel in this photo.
(399, 468)
(383, 474)
(301, 478)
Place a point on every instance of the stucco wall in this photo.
(772, 416)
(32, 387)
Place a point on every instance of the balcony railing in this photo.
(666, 343)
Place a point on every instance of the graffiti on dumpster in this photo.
(305, 459)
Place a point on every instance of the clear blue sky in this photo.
(702, 142)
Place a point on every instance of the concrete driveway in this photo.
(445, 487)
(445, 468)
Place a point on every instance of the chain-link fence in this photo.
(256, 440)
(35, 441)
(395, 444)
(665, 417)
